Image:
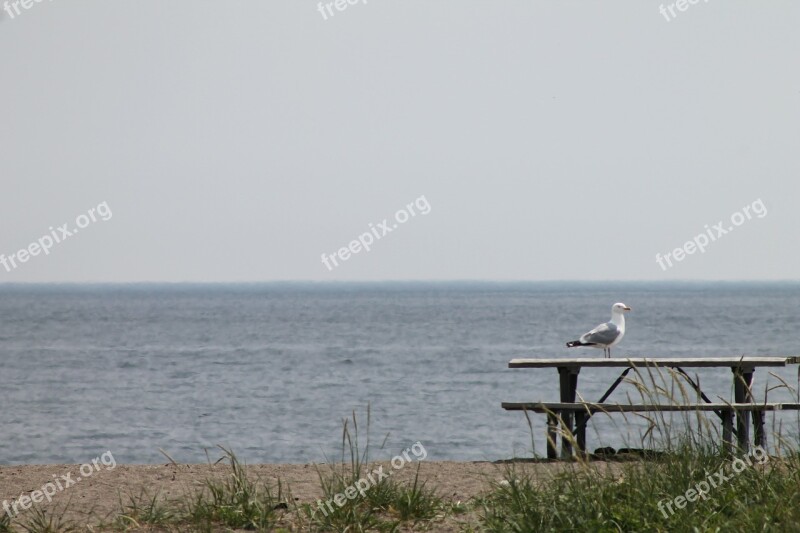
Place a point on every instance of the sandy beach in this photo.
(96, 500)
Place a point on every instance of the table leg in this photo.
(758, 429)
(727, 431)
(552, 434)
(580, 424)
(742, 378)
(568, 381)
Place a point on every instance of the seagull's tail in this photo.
(572, 344)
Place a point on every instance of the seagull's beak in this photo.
(627, 308)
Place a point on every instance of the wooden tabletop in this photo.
(735, 361)
(544, 407)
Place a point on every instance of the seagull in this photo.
(605, 335)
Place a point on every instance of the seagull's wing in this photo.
(603, 334)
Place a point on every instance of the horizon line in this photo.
(398, 281)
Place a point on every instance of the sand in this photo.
(95, 499)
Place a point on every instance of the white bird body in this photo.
(605, 335)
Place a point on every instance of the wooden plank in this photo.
(656, 361)
(542, 407)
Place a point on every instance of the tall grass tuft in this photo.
(416, 501)
(143, 509)
(40, 521)
(5, 523)
(236, 502)
(384, 506)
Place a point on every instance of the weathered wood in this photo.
(583, 410)
(568, 379)
(759, 435)
(580, 423)
(742, 394)
(727, 431)
(588, 407)
(552, 434)
(656, 361)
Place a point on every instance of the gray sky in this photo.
(239, 141)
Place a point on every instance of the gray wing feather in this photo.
(602, 334)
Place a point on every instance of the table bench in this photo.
(555, 415)
(568, 409)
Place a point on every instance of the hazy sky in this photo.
(241, 140)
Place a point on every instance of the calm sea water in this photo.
(271, 370)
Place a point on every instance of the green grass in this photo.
(584, 498)
(5, 523)
(237, 502)
(416, 502)
(48, 521)
(143, 510)
(385, 505)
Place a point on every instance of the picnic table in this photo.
(573, 416)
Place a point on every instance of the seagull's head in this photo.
(620, 307)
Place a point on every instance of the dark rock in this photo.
(606, 451)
